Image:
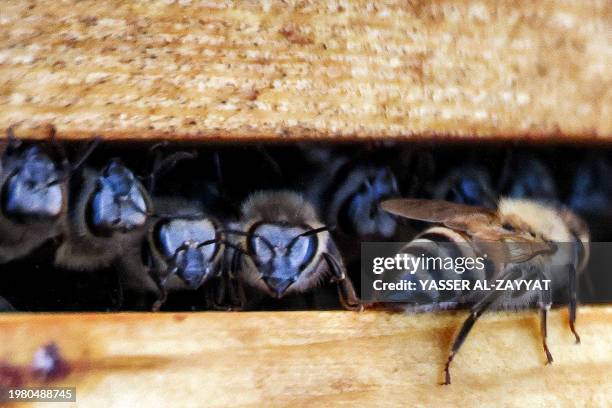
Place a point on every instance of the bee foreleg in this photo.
(215, 294)
(163, 292)
(346, 290)
(572, 300)
(475, 312)
(544, 306)
(235, 289)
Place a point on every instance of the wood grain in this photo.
(319, 358)
(220, 70)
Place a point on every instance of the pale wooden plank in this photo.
(319, 358)
(221, 69)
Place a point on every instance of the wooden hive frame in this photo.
(408, 70)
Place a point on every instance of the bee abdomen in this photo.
(440, 250)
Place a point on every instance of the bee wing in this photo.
(456, 216)
(514, 249)
(482, 224)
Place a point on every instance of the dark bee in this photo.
(469, 185)
(34, 195)
(591, 194)
(348, 193)
(523, 176)
(523, 240)
(108, 218)
(528, 177)
(279, 248)
(185, 251)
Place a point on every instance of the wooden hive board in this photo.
(215, 70)
(319, 359)
(221, 69)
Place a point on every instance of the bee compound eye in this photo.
(109, 213)
(180, 233)
(263, 252)
(302, 251)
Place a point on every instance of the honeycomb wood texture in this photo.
(319, 358)
(217, 70)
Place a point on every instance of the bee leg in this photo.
(544, 306)
(160, 300)
(215, 295)
(83, 156)
(346, 290)
(238, 298)
(475, 312)
(572, 301)
(163, 292)
(236, 291)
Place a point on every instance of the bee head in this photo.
(34, 190)
(281, 252)
(532, 180)
(471, 186)
(592, 190)
(119, 203)
(190, 247)
(360, 211)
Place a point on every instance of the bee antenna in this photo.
(93, 145)
(312, 231)
(191, 216)
(271, 162)
(236, 248)
(209, 242)
(250, 234)
(220, 191)
(13, 141)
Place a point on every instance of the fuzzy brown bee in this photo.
(523, 240)
(279, 247)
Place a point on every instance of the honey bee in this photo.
(522, 176)
(108, 218)
(34, 201)
(523, 240)
(109, 210)
(348, 193)
(34, 185)
(469, 185)
(279, 247)
(184, 249)
(528, 177)
(591, 194)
